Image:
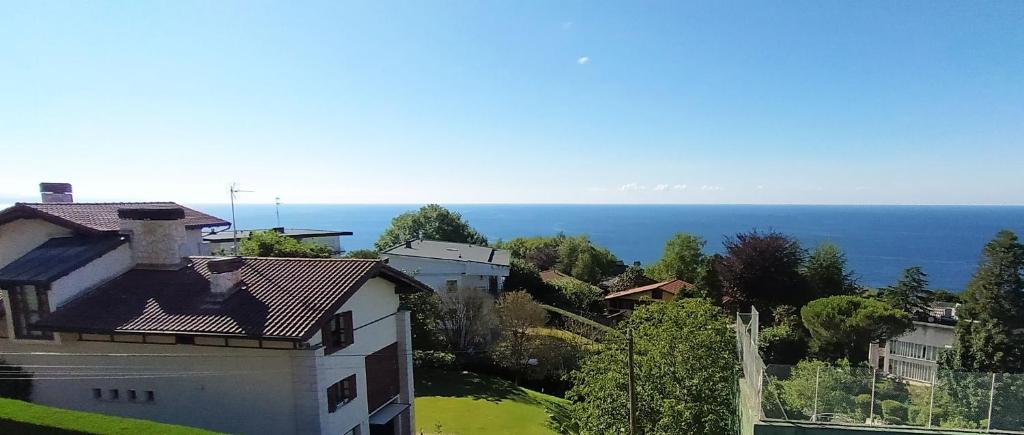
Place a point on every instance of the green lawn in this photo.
(466, 403)
(23, 417)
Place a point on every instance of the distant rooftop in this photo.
(99, 217)
(452, 251)
(295, 233)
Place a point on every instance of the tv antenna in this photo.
(277, 209)
(234, 227)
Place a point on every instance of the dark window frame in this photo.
(341, 393)
(338, 333)
(20, 311)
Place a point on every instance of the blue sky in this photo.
(912, 102)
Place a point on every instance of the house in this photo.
(112, 310)
(625, 300)
(224, 241)
(448, 266)
(914, 355)
(552, 276)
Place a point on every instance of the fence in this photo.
(819, 393)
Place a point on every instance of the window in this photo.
(341, 393)
(132, 395)
(150, 396)
(28, 304)
(115, 394)
(338, 332)
(656, 294)
(451, 285)
(97, 393)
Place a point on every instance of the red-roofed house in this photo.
(113, 311)
(625, 300)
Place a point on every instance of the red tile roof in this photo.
(98, 217)
(671, 286)
(284, 298)
(551, 275)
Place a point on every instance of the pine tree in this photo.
(910, 293)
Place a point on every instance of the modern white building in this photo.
(914, 356)
(448, 266)
(112, 310)
(224, 241)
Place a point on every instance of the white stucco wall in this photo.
(98, 271)
(435, 272)
(20, 236)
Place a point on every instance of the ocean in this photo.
(879, 241)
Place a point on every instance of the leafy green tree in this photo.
(367, 254)
(424, 309)
(274, 244)
(709, 284)
(578, 294)
(517, 314)
(762, 269)
(842, 327)
(633, 277)
(826, 274)
(431, 222)
(576, 256)
(818, 385)
(525, 275)
(785, 341)
(539, 250)
(993, 311)
(683, 258)
(910, 293)
(685, 365)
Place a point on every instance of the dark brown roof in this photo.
(671, 286)
(551, 275)
(285, 298)
(98, 217)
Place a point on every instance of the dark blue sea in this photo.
(879, 241)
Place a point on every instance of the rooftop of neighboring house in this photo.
(98, 217)
(671, 286)
(295, 233)
(551, 275)
(275, 298)
(451, 251)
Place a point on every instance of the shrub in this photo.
(892, 409)
(863, 402)
(433, 359)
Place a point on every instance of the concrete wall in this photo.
(24, 235)
(435, 272)
(928, 334)
(98, 271)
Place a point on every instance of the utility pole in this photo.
(234, 227)
(277, 209)
(632, 382)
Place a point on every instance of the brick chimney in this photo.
(157, 236)
(55, 192)
(225, 277)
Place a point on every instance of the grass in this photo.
(450, 402)
(23, 417)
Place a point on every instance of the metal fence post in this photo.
(931, 400)
(760, 395)
(817, 377)
(991, 398)
(871, 414)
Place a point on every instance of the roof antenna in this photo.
(234, 228)
(277, 209)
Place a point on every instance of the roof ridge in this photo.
(98, 203)
(367, 260)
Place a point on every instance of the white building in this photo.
(224, 241)
(447, 266)
(112, 310)
(914, 356)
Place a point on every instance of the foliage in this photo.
(633, 277)
(366, 254)
(683, 258)
(17, 417)
(818, 385)
(575, 256)
(785, 342)
(844, 326)
(709, 283)
(424, 309)
(431, 222)
(946, 296)
(577, 294)
(685, 364)
(894, 411)
(465, 319)
(525, 275)
(762, 269)
(910, 293)
(433, 359)
(826, 273)
(993, 309)
(274, 244)
(19, 383)
(517, 314)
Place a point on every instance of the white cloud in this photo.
(709, 188)
(679, 187)
(597, 189)
(632, 187)
(583, 60)
(661, 187)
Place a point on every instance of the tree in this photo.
(633, 277)
(683, 258)
(818, 385)
(367, 254)
(517, 314)
(465, 319)
(987, 337)
(525, 275)
(18, 384)
(541, 251)
(431, 222)
(762, 269)
(685, 364)
(575, 256)
(425, 310)
(826, 274)
(910, 293)
(844, 326)
(709, 284)
(275, 244)
(785, 342)
(576, 293)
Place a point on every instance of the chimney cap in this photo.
(151, 213)
(224, 264)
(55, 187)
